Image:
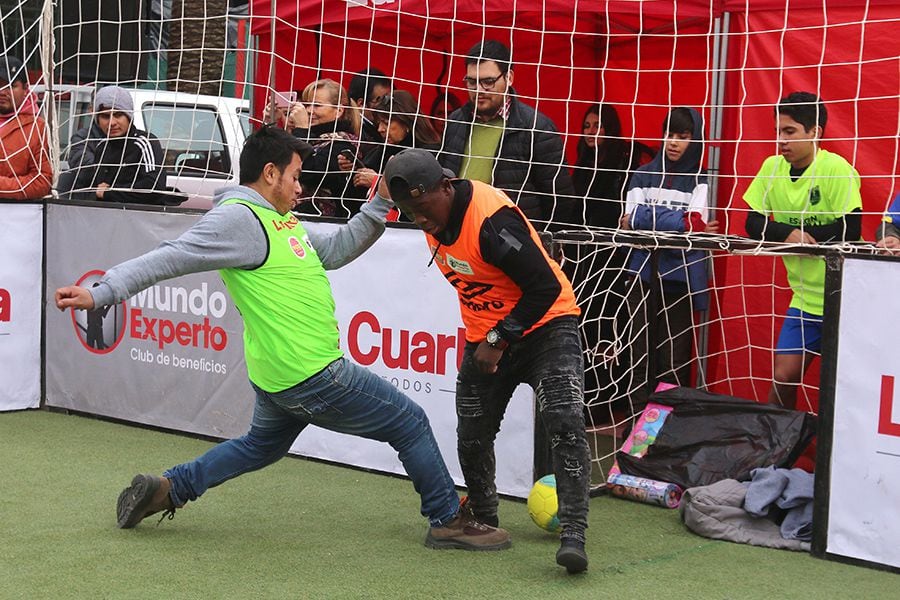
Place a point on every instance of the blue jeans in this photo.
(343, 397)
(550, 360)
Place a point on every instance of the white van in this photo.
(201, 136)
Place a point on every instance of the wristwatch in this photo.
(494, 340)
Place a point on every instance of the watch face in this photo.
(493, 336)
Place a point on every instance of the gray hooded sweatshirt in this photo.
(230, 236)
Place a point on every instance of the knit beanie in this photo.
(112, 97)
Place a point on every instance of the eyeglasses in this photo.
(485, 83)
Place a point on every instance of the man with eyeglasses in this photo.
(497, 139)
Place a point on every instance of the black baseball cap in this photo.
(12, 70)
(413, 172)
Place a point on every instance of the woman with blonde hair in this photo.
(326, 119)
(322, 102)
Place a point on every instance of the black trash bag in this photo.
(711, 437)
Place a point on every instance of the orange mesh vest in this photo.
(487, 294)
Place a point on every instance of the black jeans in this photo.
(550, 361)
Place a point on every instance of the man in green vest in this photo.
(275, 273)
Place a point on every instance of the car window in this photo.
(192, 139)
(244, 119)
(72, 112)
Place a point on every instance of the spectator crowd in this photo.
(803, 195)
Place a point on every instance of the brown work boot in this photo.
(146, 495)
(466, 533)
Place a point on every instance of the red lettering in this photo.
(5, 305)
(444, 343)
(358, 320)
(218, 339)
(289, 224)
(134, 325)
(402, 349)
(401, 361)
(165, 331)
(183, 333)
(886, 423)
(422, 357)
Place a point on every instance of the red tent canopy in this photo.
(643, 58)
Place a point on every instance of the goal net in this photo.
(604, 74)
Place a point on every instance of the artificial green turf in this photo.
(302, 529)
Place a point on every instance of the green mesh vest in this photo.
(290, 331)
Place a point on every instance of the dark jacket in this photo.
(602, 181)
(378, 156)
(129, 163)
(529, 166)
(322, 176)
(83, 145)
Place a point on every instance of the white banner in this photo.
(396, 317)
(21, 240)
(865, 455)
(400, 318)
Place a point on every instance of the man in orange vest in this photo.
(521, 324)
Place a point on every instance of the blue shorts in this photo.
(801, 332)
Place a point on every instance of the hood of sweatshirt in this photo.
(240, 192)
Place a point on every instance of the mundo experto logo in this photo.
(167, 325)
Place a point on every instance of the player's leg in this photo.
(799, 342)
(555, 369)
(481, 401)
(787, 375)
(272, 431)
(347, 398)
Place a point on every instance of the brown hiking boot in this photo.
(146, 495)
(466, 533)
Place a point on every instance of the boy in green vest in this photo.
(812, 196)
(275, 272)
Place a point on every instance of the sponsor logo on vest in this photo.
(297, 247)
(460, 266)
(469, 291)
(289, 224)
(5, 306)
(421, 351)
(438, 257)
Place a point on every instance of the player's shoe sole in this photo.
(134, 502)
(461, 544)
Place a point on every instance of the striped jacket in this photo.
(128, 163)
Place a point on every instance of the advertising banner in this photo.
(169, 356)
(865, 458)
(400, 318)
(172, 356)
(21, 237)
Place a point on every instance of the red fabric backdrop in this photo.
(860, 86)
(565, 60)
